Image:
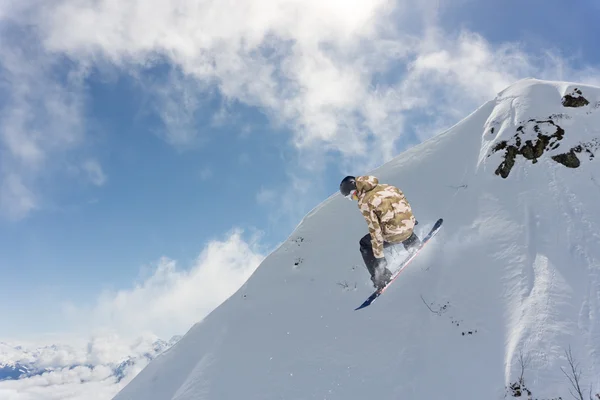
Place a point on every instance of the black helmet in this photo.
(347, 185)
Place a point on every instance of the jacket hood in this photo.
(366, 183)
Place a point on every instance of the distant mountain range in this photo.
(18, 362)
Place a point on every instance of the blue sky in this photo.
(140, 131)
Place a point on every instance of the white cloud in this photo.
(172, 299)
(40, 117)
(94, 172)
(176, 100)
(353, 77)
(16, 200)
(77, 371)
(311, 64)
(101, 349)
(82, 383)
(303, 62)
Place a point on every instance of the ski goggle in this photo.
(352, 195)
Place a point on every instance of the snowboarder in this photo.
(389, 218)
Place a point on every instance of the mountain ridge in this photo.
(491, 309)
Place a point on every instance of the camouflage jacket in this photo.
(386, 210)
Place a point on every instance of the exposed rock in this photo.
(575, 99)
(567, 159)
(531, 149)
(571, 160)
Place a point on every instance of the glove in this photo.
(380, 264)
(382, 274)
(380, 268)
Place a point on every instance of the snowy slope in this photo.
(514, 274)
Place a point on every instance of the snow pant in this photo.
(366, 249)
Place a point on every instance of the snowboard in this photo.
(434, 230)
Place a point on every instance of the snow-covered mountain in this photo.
(493, 308)
(21, 362)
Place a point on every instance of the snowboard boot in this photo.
(412, 243)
